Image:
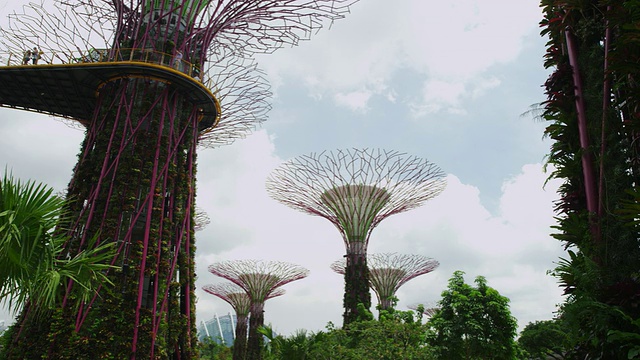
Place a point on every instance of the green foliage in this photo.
(542, 340)
(600, 275)
(357, 295)
(472, 323)
(626, 338)
(389, 338)
(363, 313)
(296, 346)
(34, 266)
(211, 350)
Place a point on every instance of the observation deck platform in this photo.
(68, 88)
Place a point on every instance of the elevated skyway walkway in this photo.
(66, 86)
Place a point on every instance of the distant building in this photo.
(221, 329)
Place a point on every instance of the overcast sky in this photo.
(449, 81)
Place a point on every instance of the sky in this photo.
(453, 82)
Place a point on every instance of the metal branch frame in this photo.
(389, 271)
(232, 294)
(219, 38)
(200, 219)
(355, 188)
(241, 304)
(426, 311)
(134, 183)
(259, 278)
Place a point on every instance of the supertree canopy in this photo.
(260, 279)
(389, 271)
(150, 81)
(355, 190)
(424, 310)
(240, 301)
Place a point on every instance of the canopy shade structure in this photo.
(356, 207)
(389, 271)
(261, 279)
(69, 90)
(147, 80)
(355, 189)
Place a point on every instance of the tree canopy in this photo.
(474, 322)
(543, 340)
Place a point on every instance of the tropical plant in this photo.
(474, 322)
(211, 350)
(592, 108)
(542, 340)
(294, 347)
(397, 335)
(34, 269)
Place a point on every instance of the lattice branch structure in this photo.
(200, 219)
(150, 81)
(355, 189)
(428, 312)
(240, 301)
(217, 39)
(389, 271)
(260, 279)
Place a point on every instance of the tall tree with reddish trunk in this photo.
(593, 107)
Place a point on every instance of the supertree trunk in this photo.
(134, 182)
(240, 342)
(261, 280)
(387, 272)
(133, 185)
(355, 190)
(255, 342)
(356, 281)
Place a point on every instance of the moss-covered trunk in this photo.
(240, 342)
(356, 282)
(256, 341)
(133, 185)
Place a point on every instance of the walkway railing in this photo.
(103, 55)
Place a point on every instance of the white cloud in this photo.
(447, 47)
(446, 42)
(356, 100)
(438, 95)
(512, 249)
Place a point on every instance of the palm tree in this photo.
(33, 267)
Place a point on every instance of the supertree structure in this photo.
(200, 220)
(423, 310)
(389, 271)
(240, 301)
(260, 279)
(150, 81)
(355, 189)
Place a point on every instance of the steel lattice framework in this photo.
(261, 280)
(200, 220)
(389, 271)
(219, 40)
(426, 311)
(355, 189)
(134, 183)
(240, 301)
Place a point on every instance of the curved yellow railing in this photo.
(103, 55)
